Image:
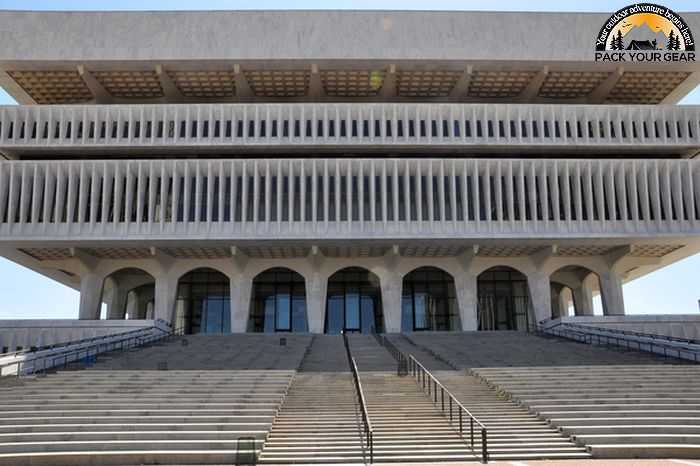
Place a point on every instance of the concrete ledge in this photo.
(644, 451)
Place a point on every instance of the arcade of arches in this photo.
(356, 299)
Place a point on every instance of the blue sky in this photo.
(26, 294)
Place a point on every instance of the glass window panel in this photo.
(283, 318)
(352, 309)
(367, 311)
(299, 321)
(407, 312)
(269, 325)
(335, 315)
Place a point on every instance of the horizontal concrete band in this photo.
(348, 198)
(485, 128)
(300, 35)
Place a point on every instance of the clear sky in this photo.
(26, 294)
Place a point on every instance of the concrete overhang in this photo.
(322, 56)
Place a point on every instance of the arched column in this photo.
(90, 296)
(165, 297)
(241, 288)
(466, 287)
(316, 287)
(391, 284)
(540, 294)
(116, 302)
(555, 293)
(611, 293)
(583, 299)
(132, 302)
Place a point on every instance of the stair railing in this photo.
(368, 432)
(450, 407)
(63, 356)
(586, 328)
(661, 349)
(56, 346)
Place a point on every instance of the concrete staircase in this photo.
(466, 350)
(136, 417)
(514, 433)
(123, 410)
(615, 411)
(215, 351)
(407, 426)
(318, 422)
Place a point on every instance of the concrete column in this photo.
(391, 285)
(540, 295)
(563, 303)
(241, 289)
(467, 299)
(583, 300)
(116, 303)
(165, 297)
(132, 302)
(90, 297)
(611, 294)
(316, 288)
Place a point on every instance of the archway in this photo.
(582, 281)
(503, 300)
(140, 302)
(354, 302)
(129, 293)
(561, 297)
(429, 301)
(203, 302)
(278, 302)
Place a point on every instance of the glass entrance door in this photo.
(203, 302)
(354, 302)
(504, 301)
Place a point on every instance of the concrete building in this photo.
(340, 171)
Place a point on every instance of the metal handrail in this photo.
(367, 424)
(689, 341)
(448, 404)
(81, 341)
(625, 343)
(419, 372)
(75, 355)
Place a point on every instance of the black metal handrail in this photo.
(76, 355)
(448, 405)
(419, 372)
(624, 343)
(630, 333)
(367, 424)
(81, 341)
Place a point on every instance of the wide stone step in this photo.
(128, 419)
(622, 413)
(109, 435)
(98, 445)
(626, 429)
(120, 457)
(650, 450)
(135, 427)
(646, 438)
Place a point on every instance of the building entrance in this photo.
(354, 302)
(203, 302)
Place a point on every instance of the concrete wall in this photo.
(682, 326)
(28, 333)
(299, 35)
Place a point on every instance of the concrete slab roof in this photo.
(104, 51)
